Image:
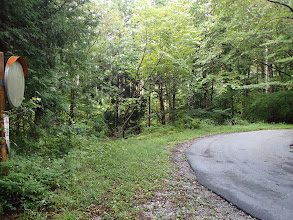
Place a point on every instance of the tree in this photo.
(243, 43)
(166, 38)
(48, 35)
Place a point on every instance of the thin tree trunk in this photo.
(212, 91)
(279, 72)
(247, 82)
(71, 111)
(267, 67)
(188, 99)
(270, 77)
(232, 102)
(117, 107)
(205, 101)
(280, 76)
(149, 110)
(263, 74)
(257, 73)
(162, 107)
(116, 113)
(173, 103)
(168, 97)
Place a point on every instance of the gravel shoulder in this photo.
(180, 198)
(185, 198)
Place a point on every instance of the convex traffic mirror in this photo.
(15, 72)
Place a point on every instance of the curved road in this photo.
(252, 170)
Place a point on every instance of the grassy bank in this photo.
(104, 179)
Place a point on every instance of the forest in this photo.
(106, 74)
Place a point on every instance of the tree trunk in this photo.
(263, 74)
(205, 99)
(173, 103)
(123, 131)
(247, 82)
(169, 98)
(212, 91)
(117, 107)
(71, 111)
(162, 107)
(266, 67)
(149, 110)
(232, 102)
(280, 74)
(257, 73)
(270, 69)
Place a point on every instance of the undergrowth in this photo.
(106, 179)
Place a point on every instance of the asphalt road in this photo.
(252, 170)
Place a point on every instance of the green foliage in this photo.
(272, 107)
(111, 177)
(186, 121)
(216, 116)
(94, 69)
(243, 46)
(30, 179)
(53, 37)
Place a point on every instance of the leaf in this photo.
(285, 60)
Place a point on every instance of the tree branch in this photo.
(93, 44)
(137, 92)
(263, 26)
(144, 52)
(157, 64)
(280, 3)
(258, 61)
(127, 120)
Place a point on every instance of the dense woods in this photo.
(100, 69)
(117, 67)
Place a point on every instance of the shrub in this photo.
(186, 121)
(29, 180)
(236, 121)
(218, 116)
(271, 107)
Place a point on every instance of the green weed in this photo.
(107, 179)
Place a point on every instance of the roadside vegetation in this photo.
(110, 179)
(114, 85)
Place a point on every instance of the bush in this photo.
(186, 121)
(218, 116)
(236, 121)
(271, 107)
(29, 180)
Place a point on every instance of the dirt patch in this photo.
(184, 198)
